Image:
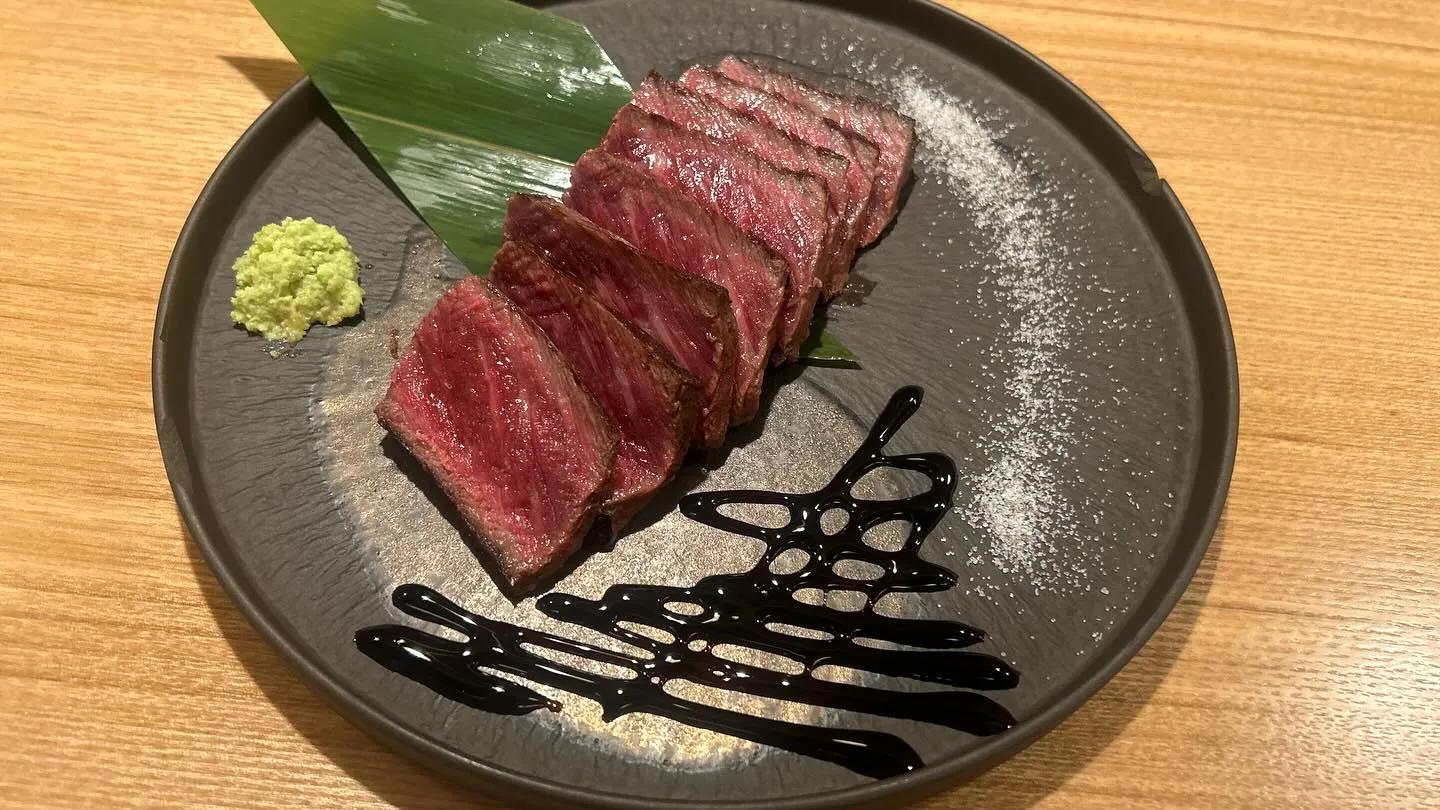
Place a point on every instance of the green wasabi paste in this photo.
(295, 273)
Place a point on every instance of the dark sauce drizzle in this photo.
(743, 610)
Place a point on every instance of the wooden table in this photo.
(1301, 670)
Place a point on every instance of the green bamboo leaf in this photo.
(460, 187)
(464, 103)
(491, 71)
(822, 347)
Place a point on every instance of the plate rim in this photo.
(1153, 199)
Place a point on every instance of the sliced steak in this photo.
(490, 407)
(889, 130)
(651, 401)
(798, 122)
(675, 229)
(683, 312)
(707, 116)
(786, 212)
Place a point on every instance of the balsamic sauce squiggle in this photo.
(751, 610)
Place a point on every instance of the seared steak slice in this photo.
(798, 122)
(683, 312)
(707, 116)
(889, 130)
(786, 212)
(652, 402)
(677, 230)
(490, 407)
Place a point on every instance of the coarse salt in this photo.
(1016, 500)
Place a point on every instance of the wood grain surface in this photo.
(1302, 669)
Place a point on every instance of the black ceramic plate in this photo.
(1041, 283)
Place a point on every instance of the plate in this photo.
(1041, 283)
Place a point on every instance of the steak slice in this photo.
(691, 111)
(486, 403)
(889, 130)
(680, 232)
(786, 212)
(799, 123)
(652, 402)
(683, 312)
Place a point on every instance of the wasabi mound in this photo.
(295, 273)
